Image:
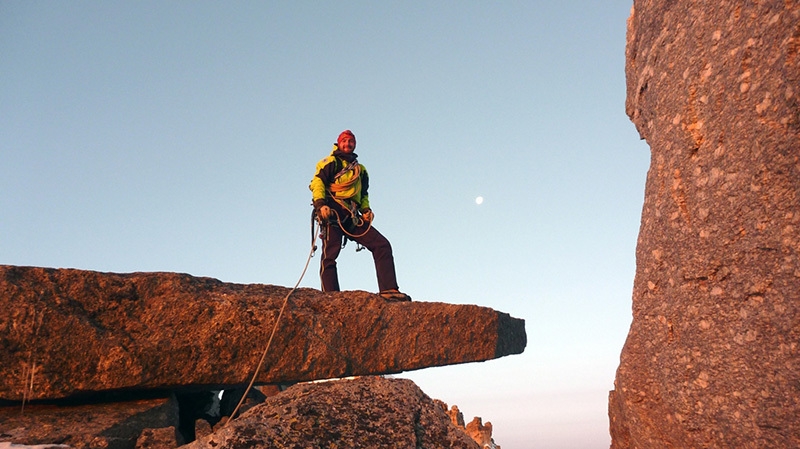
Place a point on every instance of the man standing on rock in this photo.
(339, 191)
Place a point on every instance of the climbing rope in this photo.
(355, 222)
(275, 326)
(283, 307)
(341, 186)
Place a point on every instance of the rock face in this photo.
(114, 425)
(366, 412)
(481, 434)
(361, 412)
(712, 357)
(68, 332)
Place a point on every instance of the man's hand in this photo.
(324, 212)
(367, 215)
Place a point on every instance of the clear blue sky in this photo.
(181, 136)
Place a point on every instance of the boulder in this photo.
(712, 356)
(163, 438)
(366, 412)
(67, 333)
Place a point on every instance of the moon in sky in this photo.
(479, 200)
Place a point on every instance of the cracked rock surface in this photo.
(67, 333)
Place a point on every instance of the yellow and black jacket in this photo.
(340, 178)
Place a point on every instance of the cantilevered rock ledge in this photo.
(67, 332)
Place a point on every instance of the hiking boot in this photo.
(395, 296)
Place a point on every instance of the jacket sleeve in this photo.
(364, 205)
(326, 170)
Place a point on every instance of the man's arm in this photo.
(364, 205)
(322, 178)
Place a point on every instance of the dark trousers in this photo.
(373, 240)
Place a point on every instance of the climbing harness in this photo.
(356, 219)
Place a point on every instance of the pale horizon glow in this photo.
(182, 136)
